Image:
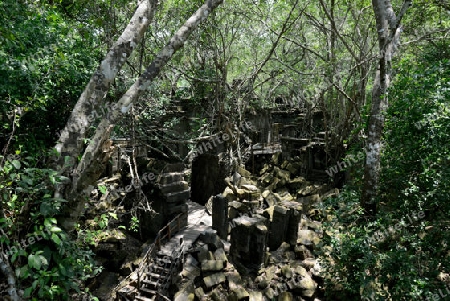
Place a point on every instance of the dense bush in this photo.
(404, 252)
(49, 264)
(45, 61)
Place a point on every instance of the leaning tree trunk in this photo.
(81, 118)
(68, 144)
(389, 29)
(97, 153)
(8, 271)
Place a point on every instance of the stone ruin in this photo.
(264, 240)
(265, 218)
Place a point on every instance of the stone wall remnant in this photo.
(248, 240)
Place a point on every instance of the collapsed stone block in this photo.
(256, 296)
(212, 265)
(214, 279)
(210, 238)
(248, 240)
(292, 226)
(308, 201)
(219, 254)
(286, 296)
(308, 238)
(220, 215)
(278, 227)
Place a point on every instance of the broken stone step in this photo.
(174, 187)
(157, 268)
(150, 276)
(142, 298)
(148, 291)
(151, 283)
(177, 167)
(153, 275)
(180, 196)
(177, 209)
(168, 178)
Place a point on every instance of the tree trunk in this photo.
(71, 137)
(389, 29)
(97, 153)
(8, 271)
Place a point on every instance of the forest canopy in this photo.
(76, 75)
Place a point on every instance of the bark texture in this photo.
(388, 29)
(7, 270)
(90, 101)
(97, 153)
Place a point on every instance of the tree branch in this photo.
(8, 271)
(403, 10)
(427, 35)
(96, 154)
(347, 97)
(79, 120)
(334, 29)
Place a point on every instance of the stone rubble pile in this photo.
(264, 240)
(287, 273)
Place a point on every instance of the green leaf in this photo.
(63, 270)
(44, 260)
(35, 282)
(55, 229)
(48, 222)
(28, 180)
(34, 261)
(14, 257)
(102, 189)
(46, 209)
(16, 164)
(56, 239)
(27, 291)
(22, 272)
(63, 179)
